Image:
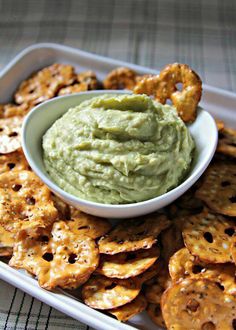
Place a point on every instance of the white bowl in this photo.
(37, 122)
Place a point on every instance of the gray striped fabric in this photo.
(20, 311)
(147, 32)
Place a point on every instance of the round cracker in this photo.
(28, 250)
(44, 84)
(197, 304)
(105, 293)
(208, 236)
(25, 202)
(86, 224)
(126, 312)
(58, 258)
(10, 134)
(183, 265)
(120, 78)
(155, 313)
(125, 265)
(218, 190)
(15, 161)
(132, 235)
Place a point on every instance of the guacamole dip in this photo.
(118, 149)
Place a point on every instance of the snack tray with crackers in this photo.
(218, 102)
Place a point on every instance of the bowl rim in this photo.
(189, 181)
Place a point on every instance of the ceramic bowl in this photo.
(38, 121)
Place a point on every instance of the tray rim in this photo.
(92, 56)
(26, 283)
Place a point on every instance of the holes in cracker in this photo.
(30, 200)
(1, 129)
(11, 165)
(72, 258)
(225, 183)
(229, 231)
(47, 256)
(197, 269)
(192, 305)
(83, 227)
(111, 286)
(208, 237)
(220, 286)
(16, 187)
(234, 324)
(32, 90)
(208, 326)
(169, 102)
(44, 239)
(13, 134)
(233, 199)
(179, 86)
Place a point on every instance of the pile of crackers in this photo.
(179, 264)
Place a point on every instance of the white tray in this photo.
(217, 101)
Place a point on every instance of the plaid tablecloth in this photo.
(147, 32)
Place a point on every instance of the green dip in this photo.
(118, 149)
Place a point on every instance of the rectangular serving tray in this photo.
(219, 102)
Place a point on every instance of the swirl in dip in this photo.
(118, 149)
